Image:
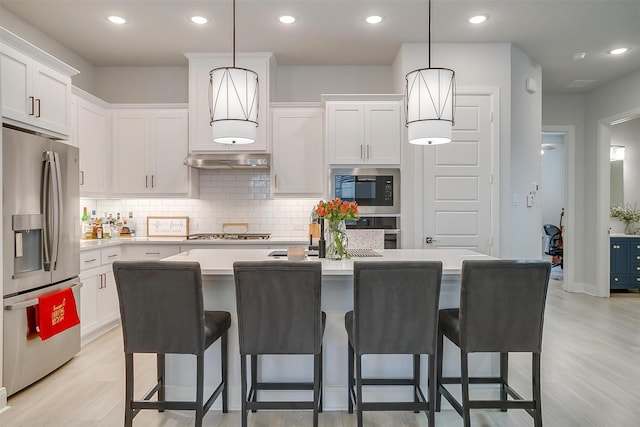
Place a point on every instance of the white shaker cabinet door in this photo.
(298, 161)
(91, 137)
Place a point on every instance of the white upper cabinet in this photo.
(298, 151)
(36, 88)
(364, 132)
(200, 64)
(149, 147)
(90, 134)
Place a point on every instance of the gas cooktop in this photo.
(229, 236)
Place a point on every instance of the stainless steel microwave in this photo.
(376, 190)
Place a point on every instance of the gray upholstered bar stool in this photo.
(501, 310)
(395, 311)
(279, 313)
(162, 312)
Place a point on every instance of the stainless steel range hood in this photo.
(228, 161)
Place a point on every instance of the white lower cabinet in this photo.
(99, 307)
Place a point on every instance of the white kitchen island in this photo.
(337, 299)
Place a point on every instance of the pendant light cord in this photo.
(234, 33)
(429, 32)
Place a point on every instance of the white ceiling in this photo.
(333, 32)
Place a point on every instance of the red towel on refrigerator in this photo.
(56, 313)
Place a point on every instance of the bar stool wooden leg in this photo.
(243, 388)
(224, 350)
(199, 390)
(321, 377)
(464, 373)
(537, 395)
(438, 379)
(351, 377)
(432, 385)
(254, 379)
(128, 411)
(160, 362)
(416, 379)
(317, 362)
(504, 377)
(359, 389)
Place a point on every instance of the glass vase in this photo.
(630, 227)
(337, 240)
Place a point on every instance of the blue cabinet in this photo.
(624, 263)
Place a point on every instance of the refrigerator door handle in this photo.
(46, 208)
(33, 301)
(52, 207)
(58, 214)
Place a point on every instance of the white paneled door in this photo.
(457, 181)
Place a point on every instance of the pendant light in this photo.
(233, 101)
(430, 102)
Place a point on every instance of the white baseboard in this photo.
(3, 400)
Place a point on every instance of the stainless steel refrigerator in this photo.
(41, 239)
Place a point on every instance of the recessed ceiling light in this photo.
(374, 19)
(618, 51)
(117, 20)
(200, 20)
(286, 19)
(477, 19)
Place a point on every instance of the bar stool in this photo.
(162, 312)
(278, 304)
(501, 310)
(395, 311)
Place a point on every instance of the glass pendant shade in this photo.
(233, 104)
(430, 97)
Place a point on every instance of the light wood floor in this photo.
(590, 378)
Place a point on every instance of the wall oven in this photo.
(376, 190)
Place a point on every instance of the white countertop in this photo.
(623, 235)
(220, 262)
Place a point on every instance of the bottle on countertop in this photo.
(106, 226)
(84, 224)
(132, 224)
(98, 230)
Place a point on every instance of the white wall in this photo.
(526, 125)
(308, 83)
(86, 80)
(142, 85)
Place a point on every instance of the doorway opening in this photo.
(558, 196)
(553, 152)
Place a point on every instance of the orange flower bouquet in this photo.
(336, 212)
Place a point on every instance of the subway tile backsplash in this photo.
(225, 196)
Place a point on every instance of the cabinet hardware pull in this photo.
(146, 181)
(89, 260)
(152, 178)
(81, 177)
(275, 181)
(361, 155)
(152, 253)
(637, 279)
(33, 108)
(111, 256)
(368, 156)
(38, 104)
(615, 279)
